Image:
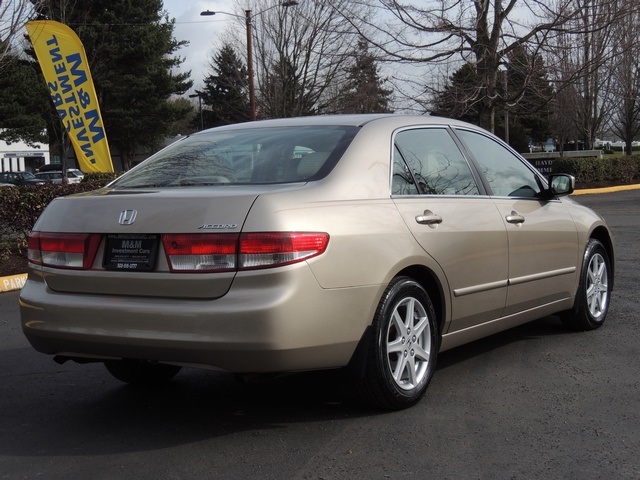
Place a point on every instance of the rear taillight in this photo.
(188, 253)
(63, 250)
(201, 252)
(264, 250)
(227, 252)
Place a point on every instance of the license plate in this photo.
(132, 252)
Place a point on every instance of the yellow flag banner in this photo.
(66, 70)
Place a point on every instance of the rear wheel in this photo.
(403, 349)
(140, 371)
(592, 298)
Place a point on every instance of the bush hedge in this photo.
(591, 170)
(21, 206)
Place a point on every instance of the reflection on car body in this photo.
(369, 241)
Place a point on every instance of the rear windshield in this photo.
(263, 155)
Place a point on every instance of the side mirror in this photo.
(561, 184)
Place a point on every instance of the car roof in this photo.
(356, 120)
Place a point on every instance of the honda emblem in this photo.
(127, 217)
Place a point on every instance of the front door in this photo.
(543, 241)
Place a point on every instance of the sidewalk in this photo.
(16, 282)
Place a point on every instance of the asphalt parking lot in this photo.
(537, 401)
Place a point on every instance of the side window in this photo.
(506, 174)
(435, 161)
(402, 183)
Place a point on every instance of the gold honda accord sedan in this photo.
(371, 242)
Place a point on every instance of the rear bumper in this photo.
(267, 322)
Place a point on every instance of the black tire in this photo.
(141, 372)
(396, 378)
(594, 290)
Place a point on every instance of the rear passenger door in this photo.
(438, 196)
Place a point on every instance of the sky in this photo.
(201, 32)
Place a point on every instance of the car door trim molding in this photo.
(542, 275)
(461, 292)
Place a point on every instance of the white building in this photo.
(19, 157)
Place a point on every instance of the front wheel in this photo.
(140, 371)
(403, 349)
(594, 290)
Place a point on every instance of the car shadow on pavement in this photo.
(546, 326)
(81, 409)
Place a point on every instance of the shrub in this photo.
(593, 170)
(21, 206)
(624, 169)
(94, 181)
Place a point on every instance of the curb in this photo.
(16, 282)
(621, 188)
(13, 282)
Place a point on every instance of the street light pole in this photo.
(248, 18)
(199, 95)
(506, 104)
(252, 88)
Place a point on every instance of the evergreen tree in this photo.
(24, 102)
(186, 124)
(364, 91)
(530, 115)
(129, 47)
(225, 93)
(459, 98)
(526, 82)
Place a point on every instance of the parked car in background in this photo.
(75, 174)
(20, 178)
(369, 241)
(55, 176)
(50, 177)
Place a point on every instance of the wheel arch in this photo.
(603, 236)
(432, 285)
(429, 281)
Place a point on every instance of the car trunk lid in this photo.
(131, 224)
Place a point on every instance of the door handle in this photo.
(515, 217)
(428, 218)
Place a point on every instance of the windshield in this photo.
(247, 156)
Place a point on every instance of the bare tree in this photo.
(13, 15)
(625, 74)
(481, 33)
(563, 117)
(594, 54)
(586, 62)
(299, 55)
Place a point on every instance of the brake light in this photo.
(205, 252)
(63, 250)
(264, 250)
(228, 252)
(187, 253)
